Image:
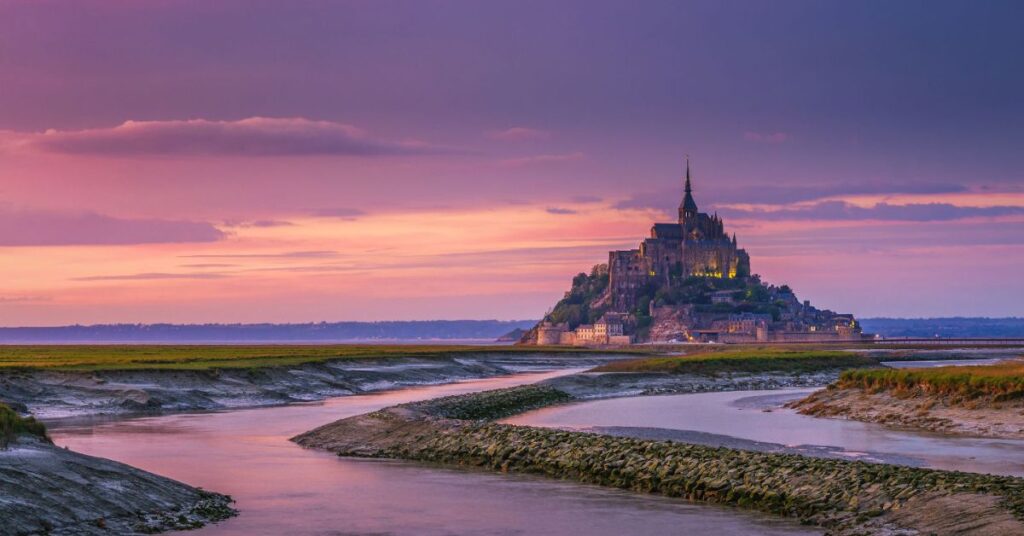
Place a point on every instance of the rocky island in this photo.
(688, 281)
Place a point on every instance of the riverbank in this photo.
(59, 392)
(709, 371)
(1005, 421)
(980, 401)
(841, 496)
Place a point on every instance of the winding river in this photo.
(283, 489)
(758, 420)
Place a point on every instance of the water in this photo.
(281, 488)
(758, 416)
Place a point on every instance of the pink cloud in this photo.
(518, 134)
(344, 213)
(776, 137)
(150, 276)
(47, 228)
(255, 136)
(542, 159)
(24, 299)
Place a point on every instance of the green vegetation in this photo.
(146, 357)
(748, 294)
(12, 425)
(575, 308)
(745, 360)
(999, 382)
(493, 405)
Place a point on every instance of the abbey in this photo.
(688, 281)
(697, 245)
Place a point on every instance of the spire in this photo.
(688, 189)
(688, 208)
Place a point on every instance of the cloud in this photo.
(784, 194)
(518, 134)
(841, 211)
(255, 136)
(149, 276)
(344, 213)
(559, 210)
(24, 227)
(24, 299)
(542, 159)
(774, 137)
(209, 265)
(317, 254)
(257, 223)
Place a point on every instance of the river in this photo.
(741, 418)
(281, 488)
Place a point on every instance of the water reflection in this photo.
(283, 489)
(758, 416)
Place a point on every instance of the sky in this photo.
(295, 161)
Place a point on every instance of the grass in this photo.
(204, 357)
(1002, 381)
(493, 405)
(12, 424)
(745, 360)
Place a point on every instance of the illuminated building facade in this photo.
(696, 245)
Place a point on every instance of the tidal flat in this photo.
(88, 412)
(840, 496)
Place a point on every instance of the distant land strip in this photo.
(314, 332)
(426, 330)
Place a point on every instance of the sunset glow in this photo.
(353, 176)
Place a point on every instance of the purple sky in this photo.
(340, 154)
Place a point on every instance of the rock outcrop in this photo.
(45, 489)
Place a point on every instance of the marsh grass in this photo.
(995, 383)
(745, 360)
(13, 425)
(203, 357)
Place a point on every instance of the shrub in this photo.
(13, 425)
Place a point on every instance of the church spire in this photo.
(688, 208)
(688, 189)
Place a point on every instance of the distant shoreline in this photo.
(476, 332)
(250, 342)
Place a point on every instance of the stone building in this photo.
(695, 245)
(607, 330)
